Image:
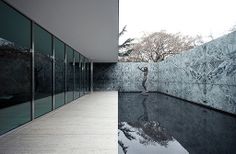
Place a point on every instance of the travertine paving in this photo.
(87, 125)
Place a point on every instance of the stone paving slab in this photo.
(87, 125)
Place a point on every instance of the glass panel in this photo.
(82, 76)
(86, 77)
(59, 73)
(15, 28)
(43, 71)
(15, 69)
(70, 74)
(77, 75)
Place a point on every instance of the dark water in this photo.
(162, 124)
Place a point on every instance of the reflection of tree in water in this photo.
(124, 148)
(150, 132)
(127, 132)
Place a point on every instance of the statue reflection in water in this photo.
(145, 71)
(143, 130)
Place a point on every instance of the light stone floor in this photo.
(87, 125)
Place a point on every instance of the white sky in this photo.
(190, 17)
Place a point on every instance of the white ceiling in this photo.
(89, 26)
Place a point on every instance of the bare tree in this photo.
(125, 48)
(156, 46)
(233, 28)
(211, 37)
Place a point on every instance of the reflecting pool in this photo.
(158, 123)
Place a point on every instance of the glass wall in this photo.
(15, 69)
(70, 74)
(82, 75)
(59, 73)
(86, 75)
(77, 75)
(28, 54)
(42, 71)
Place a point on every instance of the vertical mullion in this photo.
(74, 74)
(80, 69)
(65, 65)
(32, 71)
(80, 75)
(83, 73)
(82, 82)
(86, 64)
(91, 76)
(53, 74)
(86, 76)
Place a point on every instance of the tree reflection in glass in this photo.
(15, 85)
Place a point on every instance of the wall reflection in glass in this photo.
(77, 75)
(15, 69)
(70, 74)
(42, 71)
(18, 36)
(59, 73)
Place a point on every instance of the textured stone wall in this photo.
(124, 76)
(204, 75)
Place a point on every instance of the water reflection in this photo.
(161, 124)
(144, 135)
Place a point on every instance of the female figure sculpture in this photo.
(145, 71)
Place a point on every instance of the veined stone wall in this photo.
(204, 75)
(124, 76)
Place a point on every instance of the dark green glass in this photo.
(14, 26)
(43, 41)
(86, 75)
(59, 73)
(80, 76)
(70, 74)
(15, 69)
(43, 71)
(77, 75)
(83, 75)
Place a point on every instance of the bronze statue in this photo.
(145, 71)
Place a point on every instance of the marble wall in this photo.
(124, 76)
(204, 75)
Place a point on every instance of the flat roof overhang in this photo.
(89, 26)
